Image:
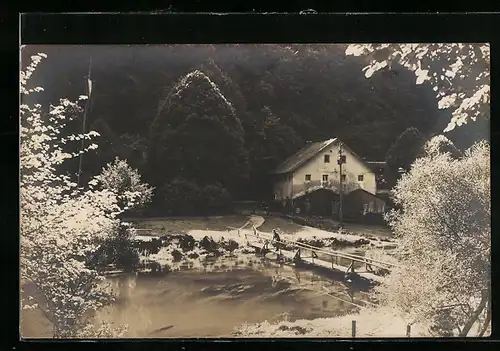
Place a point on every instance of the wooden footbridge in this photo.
(299, 253)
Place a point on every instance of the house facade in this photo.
(309, 181)
(315, 166)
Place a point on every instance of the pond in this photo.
(212, 300)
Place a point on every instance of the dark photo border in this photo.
(163, 28)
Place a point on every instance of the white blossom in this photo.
(443, 224)
(59, 223)
(423, 60)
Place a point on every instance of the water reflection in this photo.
(211, 300)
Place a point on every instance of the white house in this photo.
(316, 166)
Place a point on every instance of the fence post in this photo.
(408, 330)
(353, 328)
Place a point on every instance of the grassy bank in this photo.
(376, 323)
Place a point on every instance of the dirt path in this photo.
(257, 221)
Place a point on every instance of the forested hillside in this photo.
(173, 110)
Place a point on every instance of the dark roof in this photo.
(364, 191)
(302, 156)
(311, 150)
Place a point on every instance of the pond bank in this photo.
(370, 323)
(163, 251)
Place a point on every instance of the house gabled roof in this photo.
(302, 156)
(308, 152)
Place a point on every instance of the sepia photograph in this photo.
(255, 191)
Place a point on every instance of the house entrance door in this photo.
(335, 207)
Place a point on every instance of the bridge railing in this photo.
(356, 258)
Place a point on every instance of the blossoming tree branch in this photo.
(443, 203)
(60, 223)
(458, 73)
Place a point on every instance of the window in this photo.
(361, 178)
(308, 177)
(342, 159)
(343, 177)
(325, 177)
(327, 158)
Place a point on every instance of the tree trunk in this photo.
(475, 315)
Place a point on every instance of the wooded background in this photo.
(205, 124)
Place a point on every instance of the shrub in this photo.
(187, 243)
(125, 182)
(193, 255)
(184, 197)
(180, 197)
(167, 268)
(177, 255)
(155, 267)
(118, 250)
(215, 198)
(155, 246)
(209, 244)
(229, 245)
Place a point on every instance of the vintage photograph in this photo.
(255, 191)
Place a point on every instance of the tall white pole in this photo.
(89, 91)
(341, 190)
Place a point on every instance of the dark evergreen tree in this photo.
(198, 137)
(402, 154)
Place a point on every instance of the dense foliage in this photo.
(125, 181)
(181, 197)
(116, 250)
(132, 195)
(444, 226)
(61, 224)
(402, 154)
(459, 73)
(171, 111)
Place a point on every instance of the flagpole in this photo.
(89, 90)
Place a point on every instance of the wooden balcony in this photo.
(309, 186)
